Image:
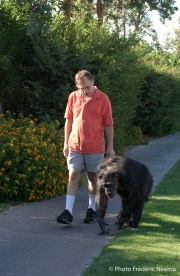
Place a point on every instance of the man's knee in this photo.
(92, 177)
(74, 175)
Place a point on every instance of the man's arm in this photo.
(67, 131)
(110, 137)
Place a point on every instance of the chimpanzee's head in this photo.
(109, 180)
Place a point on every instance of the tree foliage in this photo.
(44, 43)
(173, 44)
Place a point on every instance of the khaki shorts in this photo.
(76, 161)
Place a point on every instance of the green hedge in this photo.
(159, 96)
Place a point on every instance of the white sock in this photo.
(92, 202)
(70, 202)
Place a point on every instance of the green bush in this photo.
(37, 69)
(32, 164)
(35, 72)
(134, 136)
(159, 96)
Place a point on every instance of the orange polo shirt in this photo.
(89, 119)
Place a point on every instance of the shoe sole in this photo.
(89, 222)
(62, 221)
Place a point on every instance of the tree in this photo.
(173, 44)
(42, 48)
(32, 61)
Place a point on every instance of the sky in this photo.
(168, 27)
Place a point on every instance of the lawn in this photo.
(154, 249)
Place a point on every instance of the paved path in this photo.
(33, 244)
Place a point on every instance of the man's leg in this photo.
(75, 162)
(66, 216)
(74, 177)
(92, 182)
(92, 161)
(91, 211)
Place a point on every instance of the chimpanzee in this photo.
(132, 181)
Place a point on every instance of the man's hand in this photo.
(110, 152)
(66, 151)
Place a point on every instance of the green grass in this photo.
(154, 249)
(5, 206)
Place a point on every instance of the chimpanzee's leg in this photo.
(136, 214)
(101, 206)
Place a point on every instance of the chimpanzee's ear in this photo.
(106, 185)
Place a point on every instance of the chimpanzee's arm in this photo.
(101, 206)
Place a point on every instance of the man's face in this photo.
(86, 86)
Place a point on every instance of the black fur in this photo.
(132, 181)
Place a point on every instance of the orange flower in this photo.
(7, 163)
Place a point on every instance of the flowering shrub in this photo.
(134, 136)
(32, 165)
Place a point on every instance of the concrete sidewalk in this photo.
(32, 243)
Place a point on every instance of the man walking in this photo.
(88, 114)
